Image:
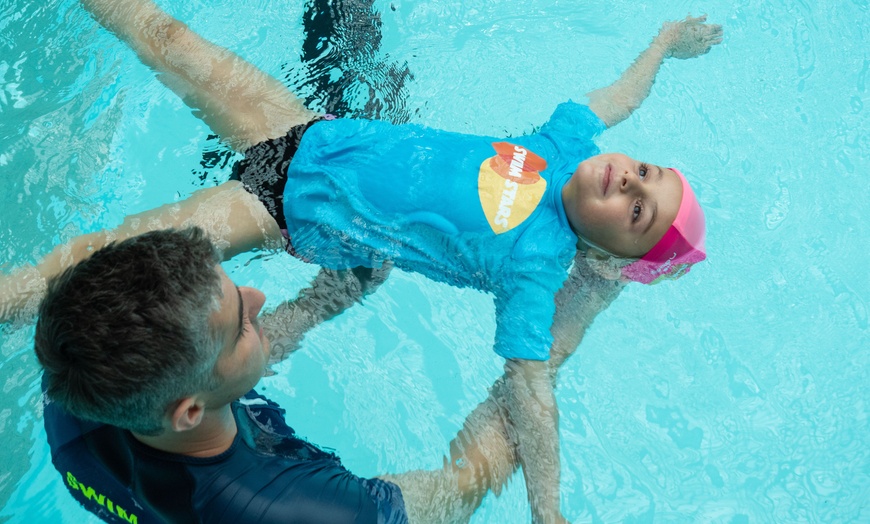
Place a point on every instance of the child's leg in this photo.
(238, 101)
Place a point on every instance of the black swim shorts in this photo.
(263, 171)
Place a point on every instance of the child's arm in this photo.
(531, 405)
(522, 318)
(529, 400)
(483, 456)
(684, 39)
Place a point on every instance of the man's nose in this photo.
(255, 300)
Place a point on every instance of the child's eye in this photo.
(642, 171)
(638, 208)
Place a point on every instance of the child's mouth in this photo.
(605, 180)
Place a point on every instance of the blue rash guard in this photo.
(267, 476)
(462, 209)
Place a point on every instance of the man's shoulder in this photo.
(268, 467)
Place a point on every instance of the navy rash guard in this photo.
(267, 475)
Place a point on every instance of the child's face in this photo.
(622, 204)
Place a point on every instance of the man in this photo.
(150, 354)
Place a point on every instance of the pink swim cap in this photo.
(680, 247)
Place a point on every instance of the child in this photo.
(507, 217)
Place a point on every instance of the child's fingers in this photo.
(714, 31)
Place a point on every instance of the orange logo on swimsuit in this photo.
(510, 186)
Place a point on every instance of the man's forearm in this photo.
(330, 294)
(531, 406)
(20, 293)
(23, 288)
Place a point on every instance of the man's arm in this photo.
(233, 218)
(684, 39)
(330, 293)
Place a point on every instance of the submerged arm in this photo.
(684, 39)
(528, 396)
(583, 295)
(233, 218)
(484, 454)
(531, 405)
(330, 293)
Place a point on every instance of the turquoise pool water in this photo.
(737, 394)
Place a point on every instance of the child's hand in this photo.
(689, 38)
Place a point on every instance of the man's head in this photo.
(632, 210)
(126, 334)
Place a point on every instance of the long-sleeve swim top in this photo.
(268, 475)
(468, 210)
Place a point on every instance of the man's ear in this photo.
(187, 414)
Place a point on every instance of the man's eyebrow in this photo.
(241, 316)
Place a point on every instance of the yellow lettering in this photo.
(71, 480)
(132, 519)
(91, 494)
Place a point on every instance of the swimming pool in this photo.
(736, 394)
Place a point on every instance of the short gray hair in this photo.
(126, 332)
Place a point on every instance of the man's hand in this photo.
(689, 38)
